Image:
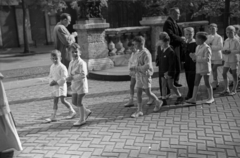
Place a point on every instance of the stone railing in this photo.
(118, 38)
(197, 25)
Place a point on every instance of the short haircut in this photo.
(230, 27)
(202, 36)
(56, 53)
(139, 39)
(213, 25)
(164, 37)
(75, 46)
(190, 29)
(64, 16)
(174, 9)
(130, 43)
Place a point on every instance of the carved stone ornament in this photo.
(89, 9)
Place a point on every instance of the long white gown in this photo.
(9, 138)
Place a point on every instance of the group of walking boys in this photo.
(201, 57)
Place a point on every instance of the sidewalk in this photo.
(182, 131)
(15, 65)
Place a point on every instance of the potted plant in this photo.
(89, 9)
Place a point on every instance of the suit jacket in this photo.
(174, 31)
(166, 61)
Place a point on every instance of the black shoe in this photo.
(187, 97)
(164, 102)
(179, 100)
(177, 84)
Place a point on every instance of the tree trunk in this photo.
(226, 16)
(25, 28)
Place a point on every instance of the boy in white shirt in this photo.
(230, 50)
(215, 42)
(57, 79)
(78, 76)
(133, 62)
(144, 71)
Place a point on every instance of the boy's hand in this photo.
(193, 56)
(166, 75)
(70, 78)
(74, 34)
(133, 68)
(226, 52)
(53, 83)
(183, 38)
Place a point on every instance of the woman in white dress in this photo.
(8, 132)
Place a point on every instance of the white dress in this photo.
(9, 138)
(59, 74)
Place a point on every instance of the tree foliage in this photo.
(213, 8)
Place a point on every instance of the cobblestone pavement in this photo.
(182, 131)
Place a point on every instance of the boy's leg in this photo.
(82, 119)
(55, 108)
(69, 106)
(130, 103)
(209, 89)
(74, 99)
(176, 91)
(164, 91)
(198, 78)
(226, 83)
(139, 111)
(215, 76)
(147, 86)
(191, 77)
(235, 82)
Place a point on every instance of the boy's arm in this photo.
(64, 74)
(225, 45)
(147, 63)
(206, 58)
(64, 36)
(168, 28)
(236, 48)
(50, 77)
(219, 45)
(82, 74)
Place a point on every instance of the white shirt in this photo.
(78, 69)
(233, 45)
(216, 44)
(58, 73)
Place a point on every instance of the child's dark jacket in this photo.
(166, 61)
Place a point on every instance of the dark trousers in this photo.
(160, 86)
(178, 65)
(190, 77)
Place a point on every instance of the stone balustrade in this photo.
(118, 38)
(197, 25)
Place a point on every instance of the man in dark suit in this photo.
(176, 36)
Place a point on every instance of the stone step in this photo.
(119, 73)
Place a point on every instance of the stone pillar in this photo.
(156, 24)
(91, 38)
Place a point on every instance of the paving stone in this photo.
(198, 131)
